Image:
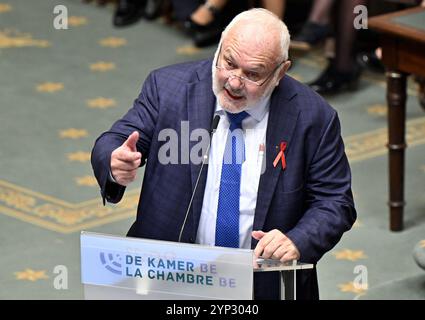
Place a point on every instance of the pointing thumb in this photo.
(131, 141)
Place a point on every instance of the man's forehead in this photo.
(253, 29)
(265, 52)
(252, 37)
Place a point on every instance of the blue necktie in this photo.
(227, 225)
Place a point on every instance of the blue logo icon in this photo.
(112, 262)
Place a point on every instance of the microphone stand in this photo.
(212, 131)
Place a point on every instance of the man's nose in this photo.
(235, 82)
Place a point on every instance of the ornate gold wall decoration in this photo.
(374, 143)
(88, 181)
(31, 275)
(187, 50)
(49, 87)
(75, 21)
(351, 287)
(113, 42)
(102, 66)
(377, 109)
(73, 133)
(79, 156)
(5, 7)
(347, 254)
(101, 103)
(15, 39)
(61, 216)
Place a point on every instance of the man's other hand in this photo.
(275, 245)
(125, 161)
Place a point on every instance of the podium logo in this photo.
(112, 262)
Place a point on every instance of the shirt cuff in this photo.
(111, 178)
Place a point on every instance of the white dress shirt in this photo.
(254, 128)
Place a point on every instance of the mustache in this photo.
(236, 93)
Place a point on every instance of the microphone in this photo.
(214, 126)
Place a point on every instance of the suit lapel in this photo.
(282, 120)
(201, 105)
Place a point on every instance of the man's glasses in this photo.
(251, 78)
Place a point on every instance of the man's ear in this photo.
(286, 65)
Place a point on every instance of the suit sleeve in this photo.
(141, 117)
(330, 208)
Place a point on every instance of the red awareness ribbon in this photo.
(281, 155)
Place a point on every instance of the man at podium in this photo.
(237, 153)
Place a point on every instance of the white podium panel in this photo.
(132, 268)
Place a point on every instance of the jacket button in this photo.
(191, 240)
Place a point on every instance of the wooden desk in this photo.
(403, 52)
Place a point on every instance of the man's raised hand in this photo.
(125, 160)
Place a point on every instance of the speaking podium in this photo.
(115, 267)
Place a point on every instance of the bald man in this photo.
(289, 197)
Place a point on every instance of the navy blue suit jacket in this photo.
(310, 201)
